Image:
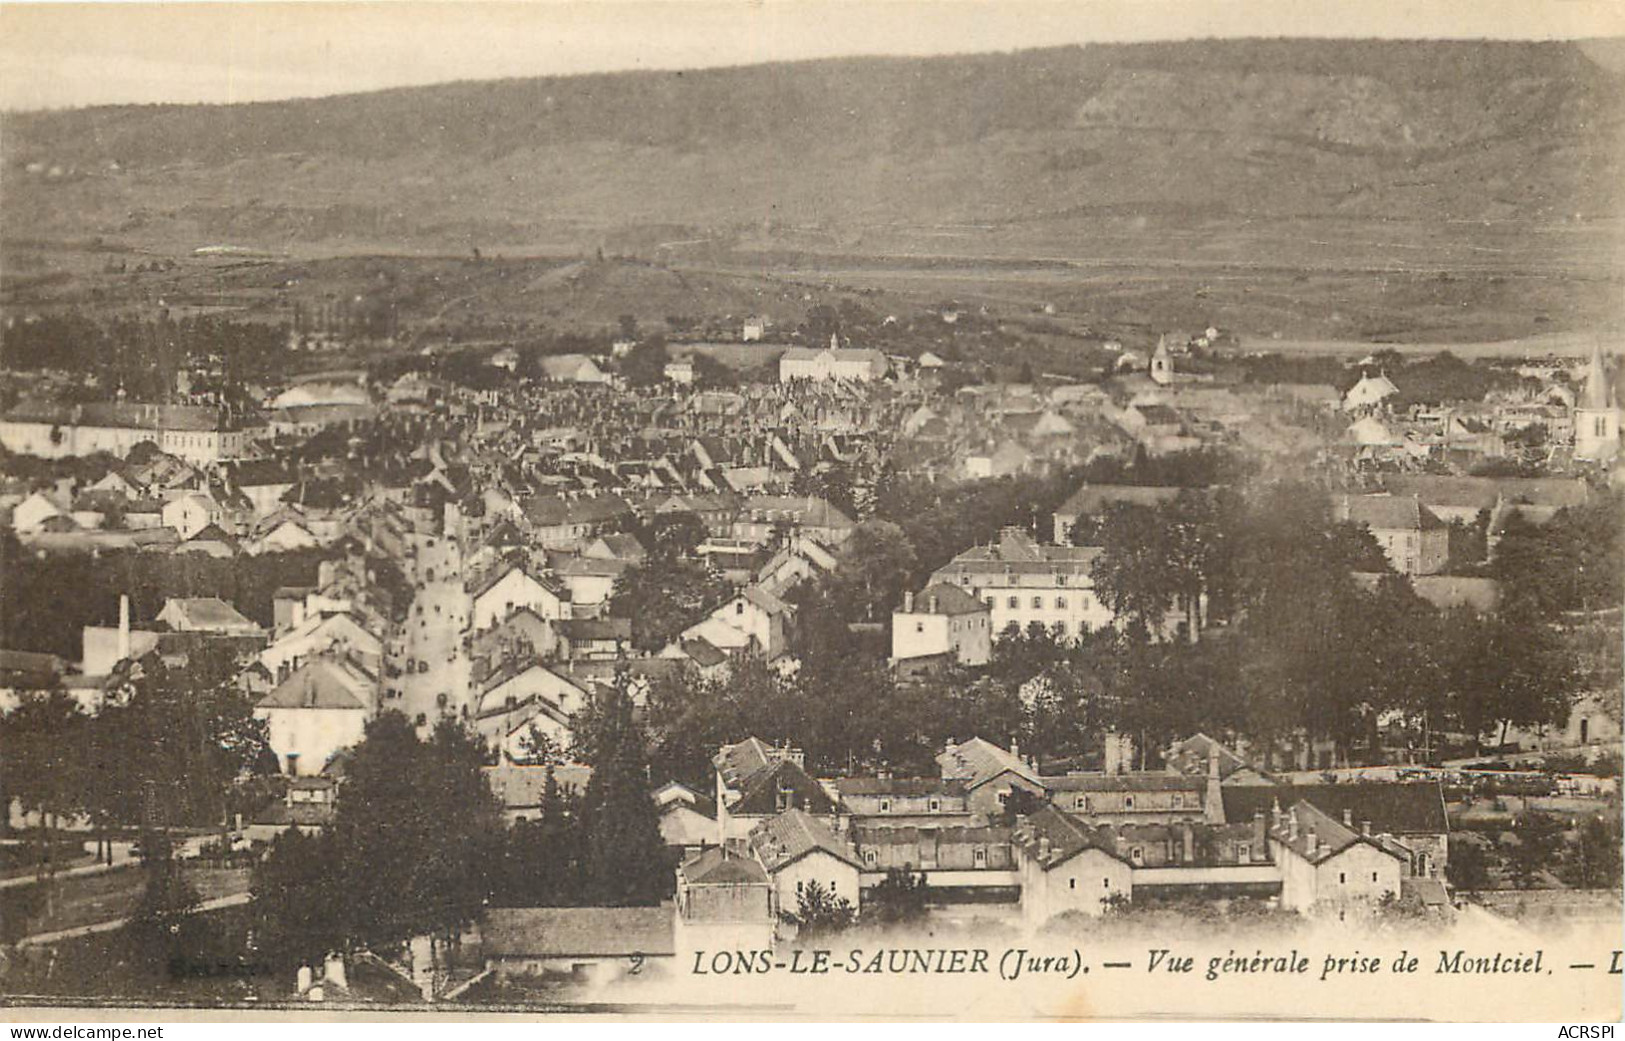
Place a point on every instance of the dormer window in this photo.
(936, 805)
(1136, 855)
(1128, 802)
(885, 805)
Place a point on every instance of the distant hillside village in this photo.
(1183, 634)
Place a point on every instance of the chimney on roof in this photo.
(1043, 849)
(1292, 825)
(1365, 828)
(1015, 749)
(1260, 833)
(1188, 834)
(908, 603)
(1310, 843)
(1348, 817)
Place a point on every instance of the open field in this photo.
(90, 899)
(1545, 303)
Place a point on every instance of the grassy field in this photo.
(1311, 287)
(90, 899)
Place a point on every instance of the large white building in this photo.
(831, 363)
(196, 434)
(319, 710)
(1022, 582)
(943, 622)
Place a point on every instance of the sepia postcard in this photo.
(800, 510)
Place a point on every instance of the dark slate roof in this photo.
(595, 628)
(944, 599)
(320, 684)
(1190, 757)
(1158, 415)
(977, 761)
(704, 652)
(782, 840)
(1392, 513)
(738, 763)
(547, 932)
(1130, 782)
(898, 786)
(1485, 492)
(760, 793)
(717, 866)
(31, 666)
(1321, 837)
(1067, 837)
(1399, 808)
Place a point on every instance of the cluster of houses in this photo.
(994, 836)
(1560, 418)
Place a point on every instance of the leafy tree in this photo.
(414, 832)
(299, 907)
(1135, 574)
(901, 898)
(875, 563)
(162, 922)
(1468, 866)
(674, 535)
(819, 914)
(543, 862)
(645, 364)
(1507, 670)
(1594, 861)
(185, 731)
(537, 748)
(1539, 836)
(44, 765)
(663, 596)
(710, 374)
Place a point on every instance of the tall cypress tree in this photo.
(627, 863)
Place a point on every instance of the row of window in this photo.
(978, 858)
(964, 579)
(978, 623)
(1081, 802)
(1014, 603)
(935, 804)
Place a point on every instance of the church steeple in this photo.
(1596, 417)
(1162, 363)
(1596, 394)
